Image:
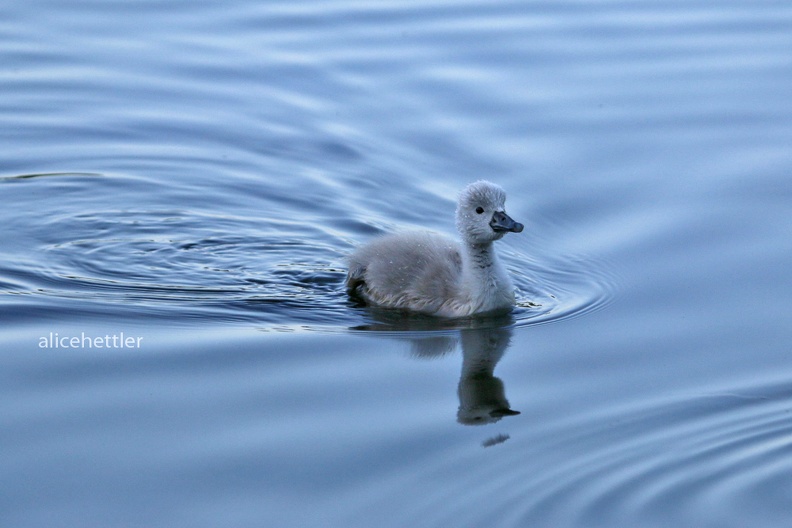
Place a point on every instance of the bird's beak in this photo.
(502, 223)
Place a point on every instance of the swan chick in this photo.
(429, 273)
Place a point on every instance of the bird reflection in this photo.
(482, 397)
(484, 340)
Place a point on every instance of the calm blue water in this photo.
(191, 175)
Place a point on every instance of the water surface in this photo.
(192, 176)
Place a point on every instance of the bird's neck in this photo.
(481, 258)
(485, 279)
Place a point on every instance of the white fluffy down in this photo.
(430, 273)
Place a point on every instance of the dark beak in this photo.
(502, 223)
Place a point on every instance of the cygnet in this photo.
(430, 273)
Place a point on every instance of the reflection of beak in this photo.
(502, 223)
(498, 413)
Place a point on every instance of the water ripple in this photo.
(704, 460)
(276, 271)
(554, 288)
(652, 463)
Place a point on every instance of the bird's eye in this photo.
(479, 210)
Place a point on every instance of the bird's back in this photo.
(416, 270)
